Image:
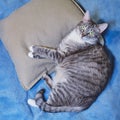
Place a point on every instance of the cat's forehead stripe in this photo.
(89, 23)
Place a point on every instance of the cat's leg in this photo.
(39, 101)
(39, 52)
(48, 80)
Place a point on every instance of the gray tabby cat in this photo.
(82, 69)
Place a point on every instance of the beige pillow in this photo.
(40, 22)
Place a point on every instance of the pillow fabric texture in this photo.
(39, 22)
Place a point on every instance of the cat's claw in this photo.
(31, 102)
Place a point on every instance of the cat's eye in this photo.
(83, 27)
(91, 33)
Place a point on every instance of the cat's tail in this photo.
(49, 108)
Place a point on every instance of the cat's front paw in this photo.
(31, 48)
(33, 51)
(31, 55)
(34, 55)
(34, 48)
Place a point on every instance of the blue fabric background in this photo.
(13, 99)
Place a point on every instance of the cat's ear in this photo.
(86, 17)
(102, 27)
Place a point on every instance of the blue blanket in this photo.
(13, 99)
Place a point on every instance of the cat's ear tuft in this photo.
(102, 27)
(86, 17)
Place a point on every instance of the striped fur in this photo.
(82, 70)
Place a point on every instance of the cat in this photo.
(82, 69)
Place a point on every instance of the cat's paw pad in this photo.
(31, 102)
(30, 54)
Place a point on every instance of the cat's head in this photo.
(91, 32)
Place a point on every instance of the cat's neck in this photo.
(72, 43)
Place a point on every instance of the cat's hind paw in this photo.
(32, 103)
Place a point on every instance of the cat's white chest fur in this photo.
(74, 36)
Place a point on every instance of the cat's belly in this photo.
(60, 76)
